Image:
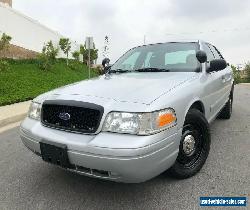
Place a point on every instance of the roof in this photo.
(182, 40)
(174, 40)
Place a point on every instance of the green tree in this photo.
(4, 65)
(48, 56)
(65, 46)
(76, 55)
(84, 52)
(4, 42)
(50, 51)
(94, 54)
(236, 73)
(247, 69)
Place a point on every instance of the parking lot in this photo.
(26, 182)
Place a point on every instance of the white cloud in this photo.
(126, 22)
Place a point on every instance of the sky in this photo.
(224, 23)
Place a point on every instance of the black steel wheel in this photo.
(194, 146)
(226, 112)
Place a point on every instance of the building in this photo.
(28, 35)
(8, 2)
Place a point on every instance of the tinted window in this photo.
(130, 61)
(146, 62)
(219, 53)
(210, 55)
(171, 56)
(215, 52)
(183, 57)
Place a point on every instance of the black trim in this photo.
(55, 153)
(72, 103)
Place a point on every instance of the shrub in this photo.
(84, 53)
(5, 41)
(50, 51)
(99, 70)
(236, 73)
(76, 55)
(44, 62)
(73, 66)
(26, 81)
(21, 61)
(247, 69)
(48, 56)
(4, 44)
(4, 65)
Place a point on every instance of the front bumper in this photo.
(89, 155)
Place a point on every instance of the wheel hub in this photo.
(188, 144)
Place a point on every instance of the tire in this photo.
(196, 135)
(226, 112)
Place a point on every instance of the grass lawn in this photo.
(24, 80)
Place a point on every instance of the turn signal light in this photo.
(166, 119)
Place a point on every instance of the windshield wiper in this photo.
(151, 69)
(119, 71)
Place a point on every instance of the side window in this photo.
(220, 55)
(210, 55)
(214, 51)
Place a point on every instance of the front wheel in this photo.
(194, 146)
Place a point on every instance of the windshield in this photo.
(179, 57)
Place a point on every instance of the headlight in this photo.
(140, 123)
(35, 111)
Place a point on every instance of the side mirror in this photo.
(105, 64)
(217, 65)
(201, 56)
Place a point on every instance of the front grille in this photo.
(71, 116)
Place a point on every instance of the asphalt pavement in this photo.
(26, 182)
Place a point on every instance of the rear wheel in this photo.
(194, 146)
(226, 112)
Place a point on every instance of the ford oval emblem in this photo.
(64, 116)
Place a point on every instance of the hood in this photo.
(128, 87)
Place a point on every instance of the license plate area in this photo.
(55, 153)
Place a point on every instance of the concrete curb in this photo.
(13, 113)
(12, 119)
